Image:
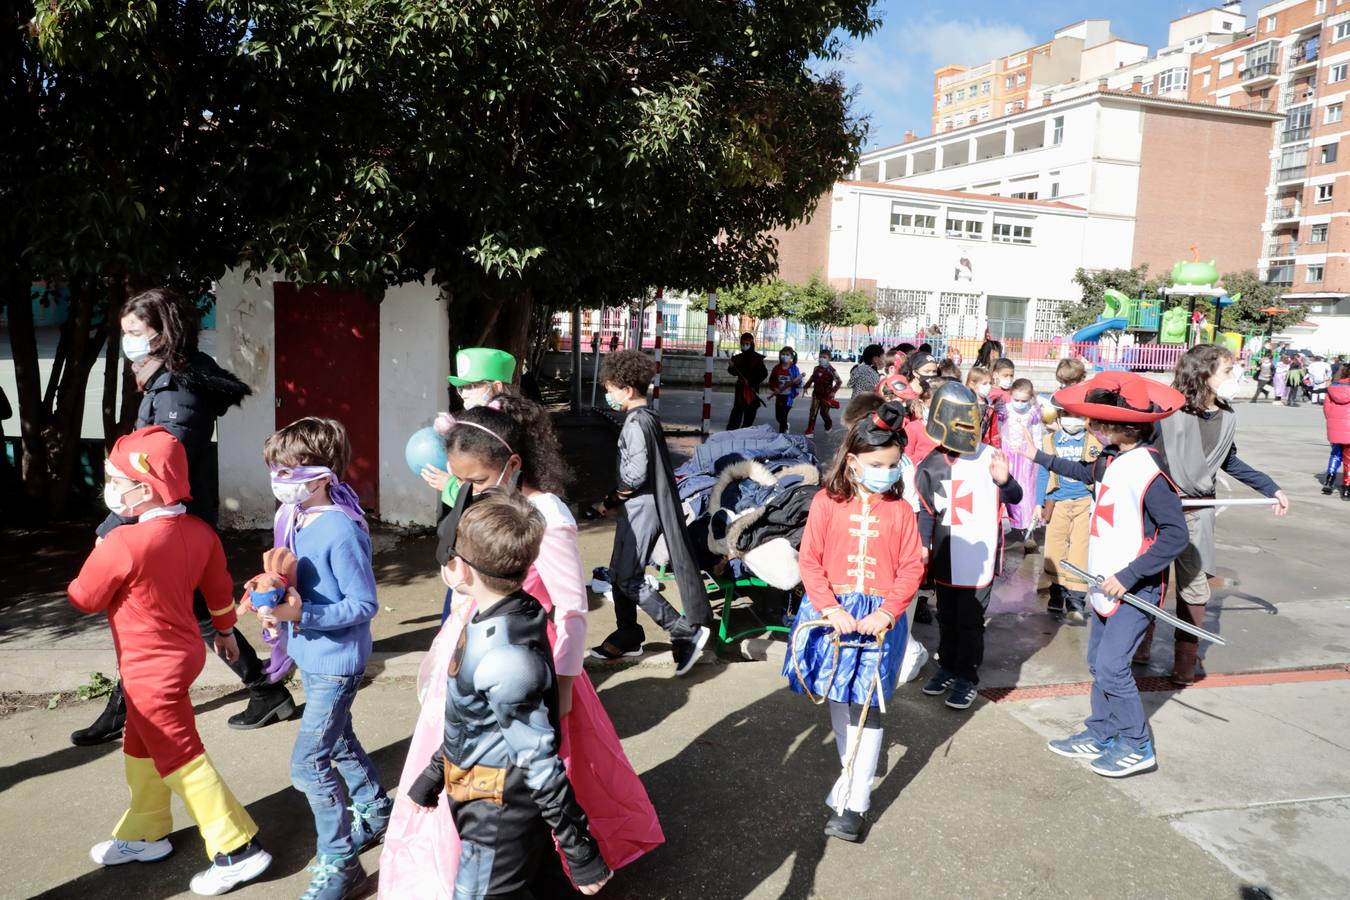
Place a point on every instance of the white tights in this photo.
(855, 792)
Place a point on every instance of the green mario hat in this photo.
(477, 364)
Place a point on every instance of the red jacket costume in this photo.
(870, 548)
(143, 575)
(1337, 411)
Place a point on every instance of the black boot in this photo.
(1345, 492)
(266, 705)
(1329, 483)
(108, 725)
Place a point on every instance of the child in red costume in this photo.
(144, 575)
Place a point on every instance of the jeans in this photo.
(1117, 710)
(328, 763)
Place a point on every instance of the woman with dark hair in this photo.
(1197, 442)
(990, 352)
(185, 391)
(864, 377)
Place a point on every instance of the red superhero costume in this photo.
(143, 575)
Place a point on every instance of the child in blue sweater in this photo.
(329, 610)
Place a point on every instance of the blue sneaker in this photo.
(939, 683)
(335, 878)
(962, 695)
(1121, 759)
(1080, 746)
(369, 822)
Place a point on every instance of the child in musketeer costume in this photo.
(144, 574)
(1137, 530)
(962, 489)
(499, 760)
(861, 564)
(648, 507)
(486, 448)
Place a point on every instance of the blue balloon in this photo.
(425, 448)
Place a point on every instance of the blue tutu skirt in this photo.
(847, 681)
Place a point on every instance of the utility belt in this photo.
(476, 783)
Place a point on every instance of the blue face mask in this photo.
(877, 480)
(135, 349)
(1021, 405)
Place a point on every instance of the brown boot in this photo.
(1185, 662)
(1141, 655)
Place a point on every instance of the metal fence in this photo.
(846, 344)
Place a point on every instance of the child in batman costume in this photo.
(962, 489)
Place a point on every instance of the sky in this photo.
(892, 70)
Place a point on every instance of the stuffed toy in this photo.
(265, 591)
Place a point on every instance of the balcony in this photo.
(1267, 71)
(1283, 212)
(1297, 96)
(1305, 54)
(1293, 135)
(1292, 173)
(1281, 249)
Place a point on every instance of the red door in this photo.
(328, 364)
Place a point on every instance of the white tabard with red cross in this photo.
(966, 542)
(1116, 536)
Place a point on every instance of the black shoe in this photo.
(1055, 606)
(1345, 492)
(922, 614)
(687, 652)
(271, 704)
(1329, 483)
(847, 826)
(108, 725)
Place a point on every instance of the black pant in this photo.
(960, 614)
(506, 850)
(1262, 387)
(742, 413)
(248, 667)
(781, 411)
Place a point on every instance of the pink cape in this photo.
(421, 850)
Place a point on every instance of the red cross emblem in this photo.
(958, 501)
(1101, 511)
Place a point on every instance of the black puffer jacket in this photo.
(187, 404)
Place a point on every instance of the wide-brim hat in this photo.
(1140, 399)
(154, 456)
(478, 364)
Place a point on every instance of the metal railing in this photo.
(1296, 96)
(1290, 173)
(1306, 52)
(1262, 69)
(1280, 249)
(1289, 135)
(1280, 211)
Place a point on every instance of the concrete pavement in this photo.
(1250, 799)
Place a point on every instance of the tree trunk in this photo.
(28, 379)
(67, 419)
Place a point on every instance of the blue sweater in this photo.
(337, 586)
(1067, 446)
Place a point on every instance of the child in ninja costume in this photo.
(962, 489)
(824, 382)
(144, 574)
(500, 759)
(648, 507)
(861, 564)
(1137, 530)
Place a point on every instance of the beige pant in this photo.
(1066, 537)
(1192, 580)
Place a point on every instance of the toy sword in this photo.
(1144, 606)
(1244, 501)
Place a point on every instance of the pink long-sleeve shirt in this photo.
(556, 581)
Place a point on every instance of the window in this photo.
(1315, 274)
(1015, 61)
(1327, 153)
(1341, 33)
(1172, 80)
(1336, 73)
(1012, 231)
(1026, 195)
(1057, 135)
(1020, 105)
(1204, 79)
(1007, 108)
(1324, 193)
(1269, 24)
(1225, 69)
(1319, 7)
(1227, 26)
(984, 89)
(960, 95)
(1317, 234)
(1008, 83)
(1146, 88)
(1021, 78)
(984, 112)
(962, 227)
(1054, 189)
(907, 220)
(1334, 112)
(947, 99)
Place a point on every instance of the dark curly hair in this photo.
(1192, 373)
(628, 368)
(175, 321)
(541, 456)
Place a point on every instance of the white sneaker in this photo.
(115, 852)
(223, 877)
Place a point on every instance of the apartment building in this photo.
(1295, 60)
(967, 262)
(1154, 176)
(964, 95)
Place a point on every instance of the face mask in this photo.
(1102, 438)
(984, 389)
(1071, 424)
(1005, 383)
(445, 579)
(114, 499)
(784, 358)
(1228, 390)
(1020, 405)
(824, 360)
(135, 348)
(475, 400)
(615, 405)
(876, 479)
(291, 493)
(747, 346)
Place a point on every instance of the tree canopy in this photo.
(1243, 316)
(813, 303)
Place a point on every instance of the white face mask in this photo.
(478, 398)
(135, 348)
(292, 493)
(1228, 390)
(1071, 424)
(984, 389)
(1005, 383)
(115, 499)
(445, 579)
